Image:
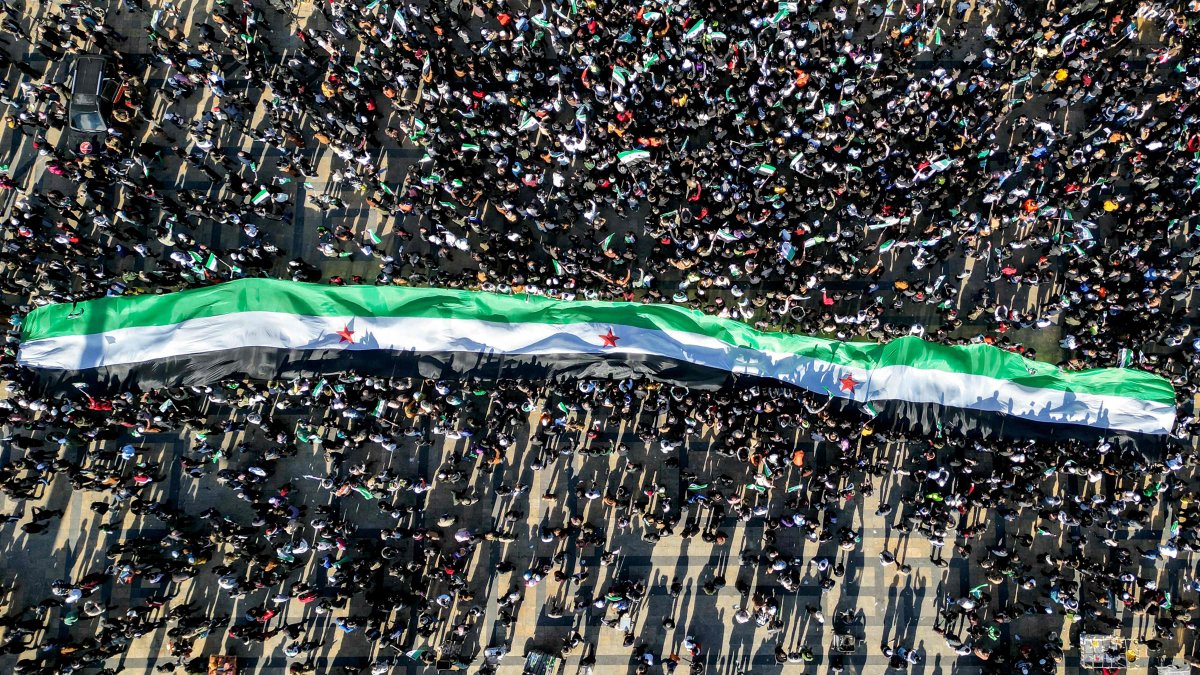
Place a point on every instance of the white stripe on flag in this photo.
(286, 331)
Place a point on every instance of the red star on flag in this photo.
(610, 340)
(346, 335)
(848, 383)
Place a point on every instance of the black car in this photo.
(87, 112)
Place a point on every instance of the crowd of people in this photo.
(986, 171)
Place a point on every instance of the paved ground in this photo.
(891, 606)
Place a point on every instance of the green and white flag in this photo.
(469, 147)
(632, 156)
(695, 31)
(607, 243)
(273, 329)
(527, 123)
(1124, 358)
(620, 76)
(211, 263)
(262, 196)
(765, 170)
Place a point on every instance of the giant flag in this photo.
(270, 329)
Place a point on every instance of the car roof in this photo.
(85, 100)
(89, 75)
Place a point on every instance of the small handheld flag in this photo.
(632, 156)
